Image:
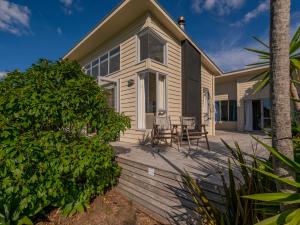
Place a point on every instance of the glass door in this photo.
(151, 98)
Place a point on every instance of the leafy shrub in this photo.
(46, 159)
(237, 210)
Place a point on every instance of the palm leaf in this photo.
(259, 64)
(283, 180)
(291, 163)
(258, 51)
(259, 75)
(261, 42)
(295, 63)
(295, 43)
(282, 218)
(286, 198)
(262, 84)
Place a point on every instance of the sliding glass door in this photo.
(151, 97)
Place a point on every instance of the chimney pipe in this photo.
(181, 22)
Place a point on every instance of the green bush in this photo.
(46, 158)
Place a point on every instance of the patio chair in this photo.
(191, 131)
(163, 130)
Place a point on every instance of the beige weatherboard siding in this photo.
(208, 81)
(239, 86)
(125, 34)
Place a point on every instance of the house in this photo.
(237, 106)
(148, 64)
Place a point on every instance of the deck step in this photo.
(162, 194)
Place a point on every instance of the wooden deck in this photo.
(151, 177)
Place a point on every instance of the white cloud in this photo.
(2, 75)
(234, 58)
(69, 6)
(261, 8)
(222, 7)
(14, 18)
(59, 30)
(67, 3)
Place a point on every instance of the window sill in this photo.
(159, 63)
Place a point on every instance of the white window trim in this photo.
(165, 43)
(108, 59)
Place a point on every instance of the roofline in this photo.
(240, 71)
(98, 25)
(188, 37)
(169, 17)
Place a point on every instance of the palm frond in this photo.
(261, 42)
(295, 42)
(258, 51)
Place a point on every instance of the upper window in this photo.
(105, 64)
(151, 46)
(114, 60)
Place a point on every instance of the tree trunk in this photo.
(280, 88)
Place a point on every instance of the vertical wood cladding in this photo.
(191, 81)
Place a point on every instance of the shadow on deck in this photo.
(152, 177)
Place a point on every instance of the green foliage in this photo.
(237, 210)
(46, 158)
(264, 56)
(291, 216)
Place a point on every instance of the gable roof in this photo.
(124, 14)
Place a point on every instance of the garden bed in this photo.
(110, 209)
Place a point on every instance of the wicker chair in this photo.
(191, 131)
(163, 131)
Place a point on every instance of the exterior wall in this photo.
(240, 88)
(226, 91)
(130, 67)
(208, 81)
(245, 89)
(172, 69)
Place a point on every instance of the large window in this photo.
(151, 46)
(226, 110)
(151, 97)
(106, 64)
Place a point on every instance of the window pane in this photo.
(144, 46)
(114, 63)
(95, 71)
(104, 57)
(232, 110)
(111, 97)
(224, 110)
(115, 51)
(162, 93)
(88, 72)
(95, 62)
(150, 93)
(267, 108)
(217, 110)
(156, 48)
(104, 65)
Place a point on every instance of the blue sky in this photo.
(33, 29)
